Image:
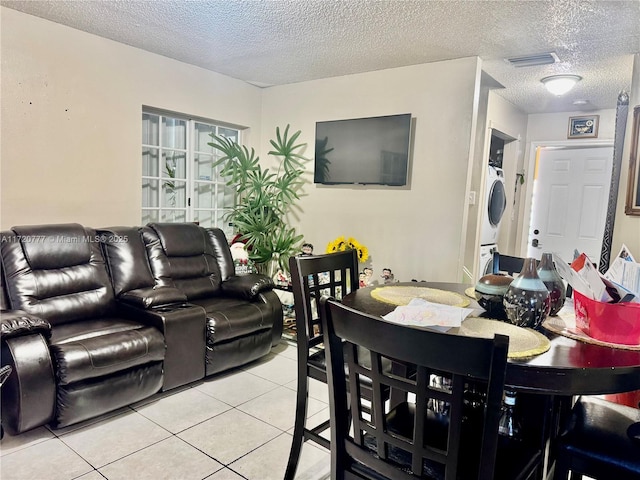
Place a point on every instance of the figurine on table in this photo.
(368, 277)
(307, 250)
(281, 278)
(387, 276)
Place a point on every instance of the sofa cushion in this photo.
(181, 239)
(222, 253)
(189, 260)
(71, 332)
(61, 279)
(95, 352)
(229, 318)
(219, 303)
(126, 256)
(55, 246)
(158, 261)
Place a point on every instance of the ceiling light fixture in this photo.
(560, 84)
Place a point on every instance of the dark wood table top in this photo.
(569, 367)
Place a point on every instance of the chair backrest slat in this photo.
(334, 274)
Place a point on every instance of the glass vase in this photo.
(553, 281)
(526, 302)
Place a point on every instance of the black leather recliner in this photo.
(101, 359)
(243, 315)
(96, 320)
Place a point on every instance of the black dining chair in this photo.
(507, 264)
(334, 274)
(601, 440)
(411, 440)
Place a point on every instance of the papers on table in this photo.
(421, 313)
(585, 268)
(620, 283)
(572, 277)
(625, 272)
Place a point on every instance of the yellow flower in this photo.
(340, 245)
(336, 245)
(363, 254)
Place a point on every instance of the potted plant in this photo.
(264, 197)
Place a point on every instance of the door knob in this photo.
(534, 243)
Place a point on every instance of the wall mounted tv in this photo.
(367, 151)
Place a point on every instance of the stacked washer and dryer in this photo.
(495, 202)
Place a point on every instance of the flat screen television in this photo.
(367, 151)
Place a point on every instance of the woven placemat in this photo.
(402, 295)
(565, 325)
(523, 342)
(471, 292)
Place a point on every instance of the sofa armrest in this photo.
(150, 297)
(29, 393)
(272, 299)
(16, 323)
(183, 327)
(247, 286)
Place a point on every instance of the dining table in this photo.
(547, 382)
(569, 367)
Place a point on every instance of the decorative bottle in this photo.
(509, 426)
(526, 302)
(553, 281)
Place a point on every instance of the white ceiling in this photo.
(276, 42)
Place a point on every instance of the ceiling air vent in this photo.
(533, 60)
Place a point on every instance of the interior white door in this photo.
(569, 204)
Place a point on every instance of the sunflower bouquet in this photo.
(341, 244)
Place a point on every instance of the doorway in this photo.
(567, 208)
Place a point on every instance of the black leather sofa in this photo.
(93, 320)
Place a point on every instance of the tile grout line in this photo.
(280, 432)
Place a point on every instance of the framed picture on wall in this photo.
(632, 205)
(583, 127)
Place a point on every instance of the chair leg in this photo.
(299, 426)
(561, 469)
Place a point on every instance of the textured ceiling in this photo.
(276, 42)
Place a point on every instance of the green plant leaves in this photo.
(264, 197)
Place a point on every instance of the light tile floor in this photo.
(230, 427)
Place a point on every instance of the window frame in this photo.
(222, 198)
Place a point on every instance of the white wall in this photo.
(71, 120)
(553, 126)
(415, 231)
